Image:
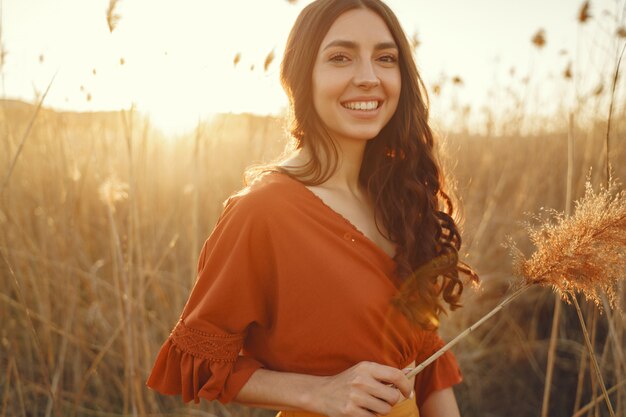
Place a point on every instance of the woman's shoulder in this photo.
(267, 192)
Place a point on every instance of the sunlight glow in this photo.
(174, 60)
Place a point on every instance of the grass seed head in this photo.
(584, 252)
(112, 190)
(583, 14)
(415, 41)
(567, 74)
(539, 39)
(112, 17)
(268, 60)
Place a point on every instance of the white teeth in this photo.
(361, 105)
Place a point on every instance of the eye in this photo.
(389, 59)
(339, 58)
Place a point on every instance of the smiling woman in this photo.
(319, 252)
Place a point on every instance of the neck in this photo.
(350, 158)
(346, 175)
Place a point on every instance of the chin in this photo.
(364, 135)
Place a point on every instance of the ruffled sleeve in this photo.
(204, 356)
(444, 372)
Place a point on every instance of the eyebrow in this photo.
(353, 45)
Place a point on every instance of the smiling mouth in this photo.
(362, 105)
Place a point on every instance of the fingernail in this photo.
(405, 370)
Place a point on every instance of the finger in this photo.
(363, 413)
(358, 409)
(392, 375)
(388, 393)
(375, 405)
(382, 390)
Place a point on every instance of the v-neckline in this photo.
(340, 216)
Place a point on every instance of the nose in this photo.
(365, 75)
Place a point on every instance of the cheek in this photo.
(394, 89)
(397, 84)
(329, 82)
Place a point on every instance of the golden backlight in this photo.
(176, 60)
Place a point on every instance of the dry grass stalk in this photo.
(597, 400)
(25, 135)
(608, 124)
(592, 356)
(551, 357)
(419, 368)
(584, 252)
(557, 302)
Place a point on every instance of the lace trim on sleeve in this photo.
(212, 347)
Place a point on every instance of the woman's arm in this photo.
(441, 403)
(361, 391)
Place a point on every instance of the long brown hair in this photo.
(399, 168)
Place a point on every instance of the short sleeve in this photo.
(204, 356)
(444, 372)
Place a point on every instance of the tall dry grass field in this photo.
(102, 219)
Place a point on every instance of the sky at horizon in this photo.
(174, 61)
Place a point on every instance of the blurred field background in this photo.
(102, 217)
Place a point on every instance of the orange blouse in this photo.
(288, 284)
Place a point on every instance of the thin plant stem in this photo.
(582, 371)
(554, 332)
(592, 356)
(596, 400)
(608, 124)
(35, 338)
(581, 379)
(419, 368)
(24, 136)
(5, 394)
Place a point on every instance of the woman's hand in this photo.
(364, 390)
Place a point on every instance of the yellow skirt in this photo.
(406, 408)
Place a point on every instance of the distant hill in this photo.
(17, 112)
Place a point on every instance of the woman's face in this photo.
(356, 76)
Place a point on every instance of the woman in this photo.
(307, 298)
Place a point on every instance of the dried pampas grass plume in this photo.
(583, 14)
(268, 60)
(583, 253)
(112, 190)
(539, 39)
(567, 74)
(112, 17)
(415, 41)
